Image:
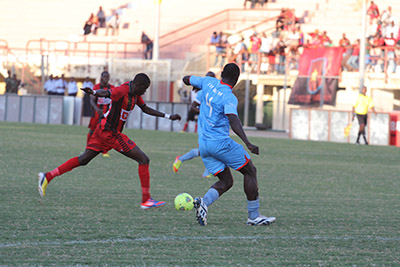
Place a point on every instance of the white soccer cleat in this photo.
(201, 210)
(261, 220)
(42, 184)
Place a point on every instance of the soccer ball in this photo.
(184, 201)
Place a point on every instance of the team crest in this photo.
(316, 72)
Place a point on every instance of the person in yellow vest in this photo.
(360, 108)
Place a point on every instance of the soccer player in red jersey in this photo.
(108, 135)
(100, 105)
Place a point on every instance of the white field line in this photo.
(28, 244)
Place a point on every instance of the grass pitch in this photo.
(336, 204)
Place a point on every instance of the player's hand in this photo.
(100, 112)
(175, 117)
(253, 148)
(88, 90)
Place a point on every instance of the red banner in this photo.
(319, 70)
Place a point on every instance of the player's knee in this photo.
(228, 184)
(144, 159)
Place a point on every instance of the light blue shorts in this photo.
(217, 155)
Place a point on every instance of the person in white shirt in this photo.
(113, 23)
(72, 87)
(49, 86)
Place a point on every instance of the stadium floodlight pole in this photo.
(246, 99)
(156, 48)
(363, 43)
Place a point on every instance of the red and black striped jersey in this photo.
(122, 104)
(103, 102)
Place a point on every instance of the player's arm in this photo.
(100, 92)
(93, 100)
(150, 111)
(195, 107)
(186, 80)
(237, 128)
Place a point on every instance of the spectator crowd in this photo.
(271, 50)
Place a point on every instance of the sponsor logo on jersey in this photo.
(125, 114)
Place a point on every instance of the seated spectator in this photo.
(113, 23)
(87, 28)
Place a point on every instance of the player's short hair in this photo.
(104, 73)
(231, 71)
(210, 74)
(141, 78)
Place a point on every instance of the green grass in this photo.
(336, 204)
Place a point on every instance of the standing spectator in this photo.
(344, 42)
(87, 111)
(373, 12)
(49, 86)
(355, 55)
(14, 85)
(9, 82)
(108, 135)
(254, 50)
(218, 151)
(390, 43)
(101, 17)
(72, 87)
(241, 51)
(148, 43)
(60, 85)
(113, 23)
(386, 16)
(360, 108)
(293, 44)
(280, 48)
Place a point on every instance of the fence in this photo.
(68, 110)
(329, 125)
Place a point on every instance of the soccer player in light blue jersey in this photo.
(219, 152)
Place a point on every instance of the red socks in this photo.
(144, 175)
(63, 168)
(185, 127)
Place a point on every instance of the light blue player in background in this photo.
(194, 153)
(219, 152)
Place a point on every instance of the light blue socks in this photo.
(252, 207)
(211, 196)
(191, 154)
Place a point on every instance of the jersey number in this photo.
(208, 102)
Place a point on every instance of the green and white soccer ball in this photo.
(184, 201)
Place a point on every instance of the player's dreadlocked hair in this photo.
(141, 78)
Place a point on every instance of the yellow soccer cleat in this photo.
(42, 184)
(177, 164)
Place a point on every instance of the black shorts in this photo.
(192, 116)
(362, 119)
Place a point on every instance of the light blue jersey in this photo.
(217, 149)
(216, 100)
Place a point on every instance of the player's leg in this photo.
(89, 135)
(250, 185)
(44, 178)
(134, 152)
(363, 131)
(188, 156)
(361, 127)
